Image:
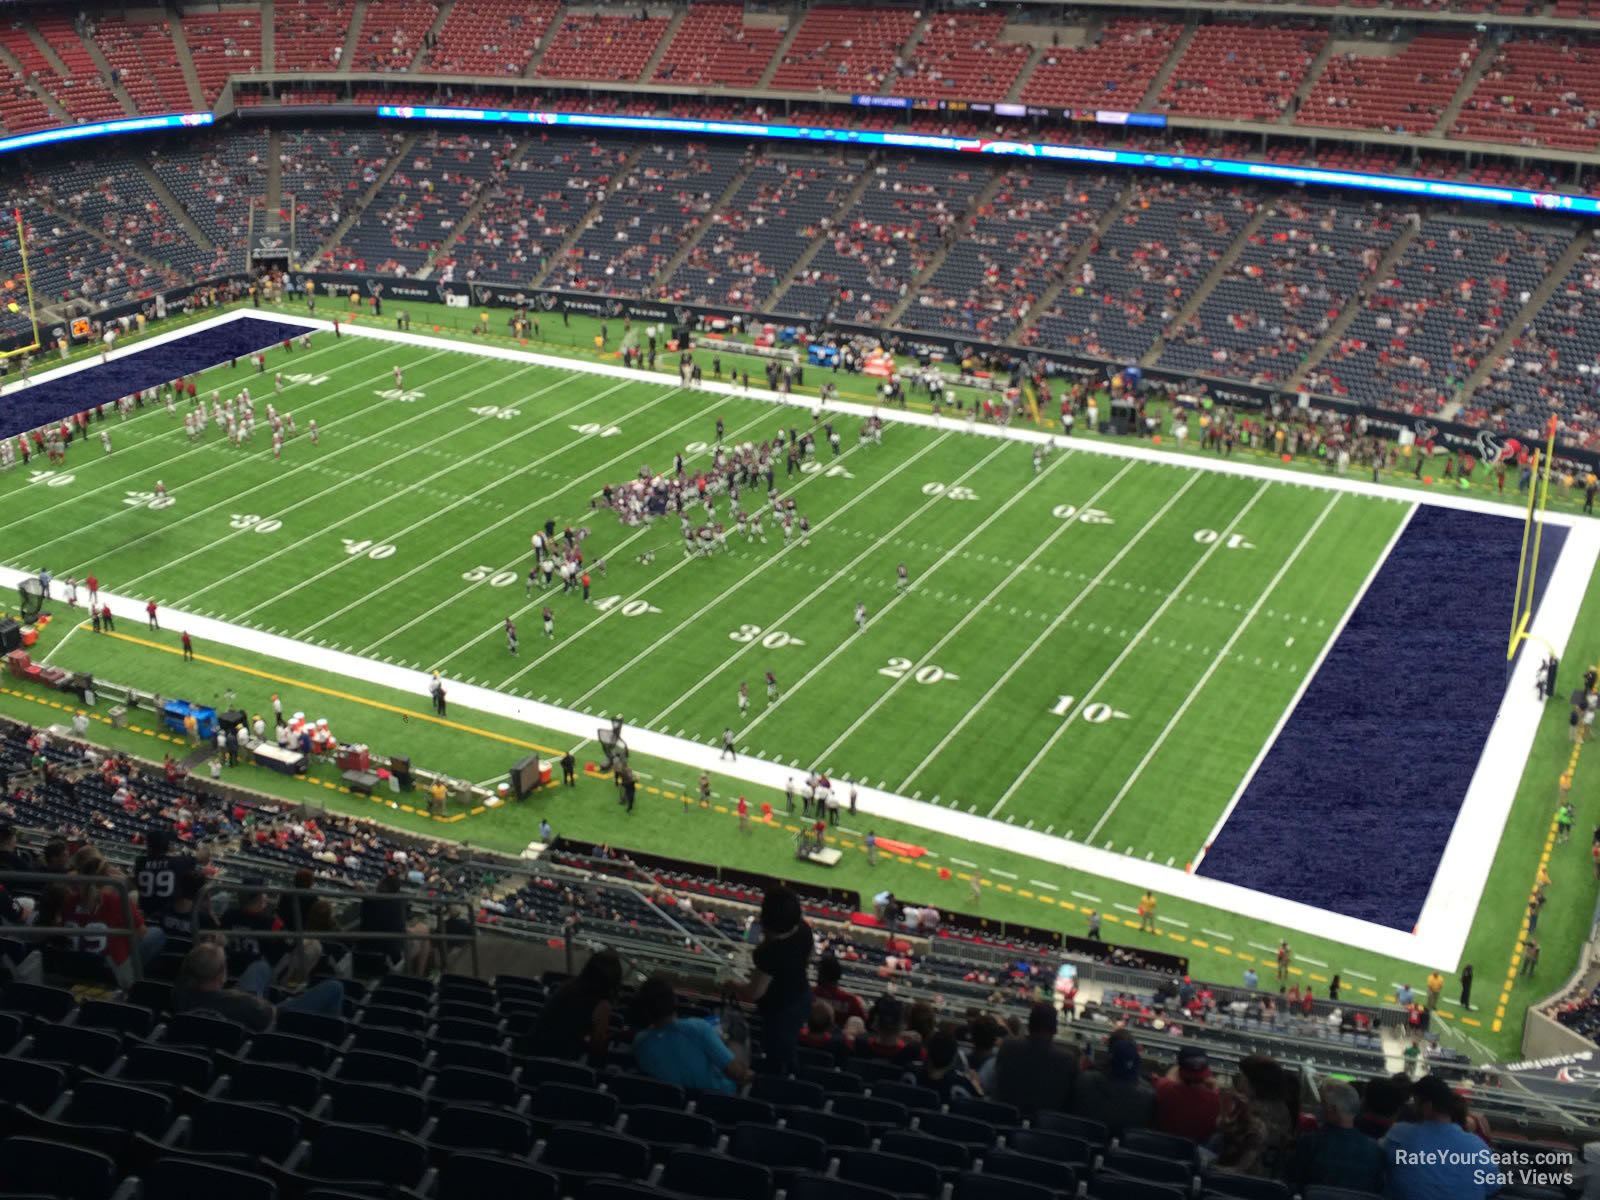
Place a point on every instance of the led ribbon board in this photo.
(75, 133)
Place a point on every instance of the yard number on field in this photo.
(145, 500)
(1089, 516)
(52, 478)
(812, 467)
(255, 523)
(495, 411)
(773, 639)
(595, 429)
(402, 395)
(628, 608)
(1095, 714)
(899, 668)
(482, 574)
(1234, 541)
(371, 550)
(949, 491)
(306, 378)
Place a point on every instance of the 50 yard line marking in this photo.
(1221, 656)
(1089, 694)
(828, 583)
(154, 439)
(1055, 624)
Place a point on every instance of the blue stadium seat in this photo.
(875, 1111)
(90, 1049)
(473, 1056)
(487, 1177)
(917, 1099)
(1319, 1191)
(130, 1020)
(1121, 1187)
(976, 1136)
(1045, 1172)
(380, 1104)
(823, 1187)
(668, 1129)
(354, 1154)
(1148, 1166)
(1162, 1145)
(463, 1127)
(631, 1090)
(1002, 1116)
(270, 1083)
(787, 1093)
(1058, 1147)
(578, 1153)
(191, 1179)
(464, 1085)
(998, 1187)
(892, 1173)
(35, 1084)
(367, 1066)
(555, 1070)
(255, 1130)
(375, 1038)
(49, 1003)
(388, 1016)
(716, 1177)
(67, 1172)
(951, 1158)
(834, 1082)
(833, 1129)
(728, 1111)
(1096, 1133)
(290, 1049)
(1243, 1187)
(581, 1105)
(317, 1026)
(208, 1033)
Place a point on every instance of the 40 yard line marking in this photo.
(1128, 649)
(725, 592)
(1294, 701)
(155, 439)
(829, 582)
(1054, 625)
(1221, 657)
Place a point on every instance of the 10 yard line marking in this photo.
(155, 438)
(674, 569)
(1221, 656)
(1127, 650)
(899, 595)
(1056, 623)
(1294, 702)
(538, 601)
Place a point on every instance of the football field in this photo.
(1098, 648)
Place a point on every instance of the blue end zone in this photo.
(1351, 808)
(49, 400)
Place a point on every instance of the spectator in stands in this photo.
(1381, 1102)
(984, 1034)
(687, 1051)
(1187, 1100)
(1115, 1089)
(11, 858)
(576, 1022)
(189, 913)
(823, 1033)
(1256, 1123)
(247, 916)
(1338, 1154)
(1033, 1072)
(158, 873)
(100, 906)
(945, 1072)
(387, 912)
(778, 985)
(1433, 1157)
(887, 1040)
(54, 858)
(845, 1004)
(201, 987)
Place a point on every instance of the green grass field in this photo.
(1077, 645)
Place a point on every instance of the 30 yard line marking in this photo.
(277, 480)
(680, 565)
(821, 665)
(155, 439)
(1221, 656)
(1055, 624)
(1094, 689)
(1294, 701)
(824, 586)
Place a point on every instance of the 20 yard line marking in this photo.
(1127, 649)
(1316, 665)
(1055, 624)
(1221, 656)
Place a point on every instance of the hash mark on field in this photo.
(1174, 921)
(1042, 884)
(1314, 962)
(1087, 896)
(1125, 908)
(964, 863)
(1002, 874)
(1263, 949)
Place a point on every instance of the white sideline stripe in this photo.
(1436, 943)
(538, 602)
(1359, 975)
(778, 621)
(1049, 887)
(153, 439)
(1299, 694)
(1225, 937)
(899, 595)
(498, 481)
(1093, 690)
(1315, 962)
(1055, 624)
(1002, 874)
(1263, 949)
(230, 501)
(1124, 908)
(961, 862)
(793, 547)
(1086, 896)
(394, 538)
(1166, 731)
(1174, 921)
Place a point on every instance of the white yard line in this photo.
(148, 439)
(1055, 624)
(1001, 874)
(1173, 921)
(754, 573)
(1049, 887)
(961, 862)
(827, 584)
(1222, 655)
(973, 610)
(1087, 896)
(539, 600)
(1089, 694)
(276, 480)
(1359, 975)
(1315, 962)
(1288, 711)
(1218, 934)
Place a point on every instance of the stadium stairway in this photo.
(12, 66)
(269, 36)
(104, 67)
(1353, 306)
(1313, 73)
(782, 50)
(539, 51)
(823, 235)
(559, 255)
(1553, 279)
(1152, 94)
(191, 77)
(1218, 270)
(1487, 53)
(707, 221)
(173, 205)
(914, 288)
(274, 198)
(358, 17)
(490, 191)
(679, 15)
(1014, 95)
(366, 198)
(1069, 272)
(907, 53)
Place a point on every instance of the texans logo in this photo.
(548, 302)
(1491, 446)
(614, 308)
(681, 315)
